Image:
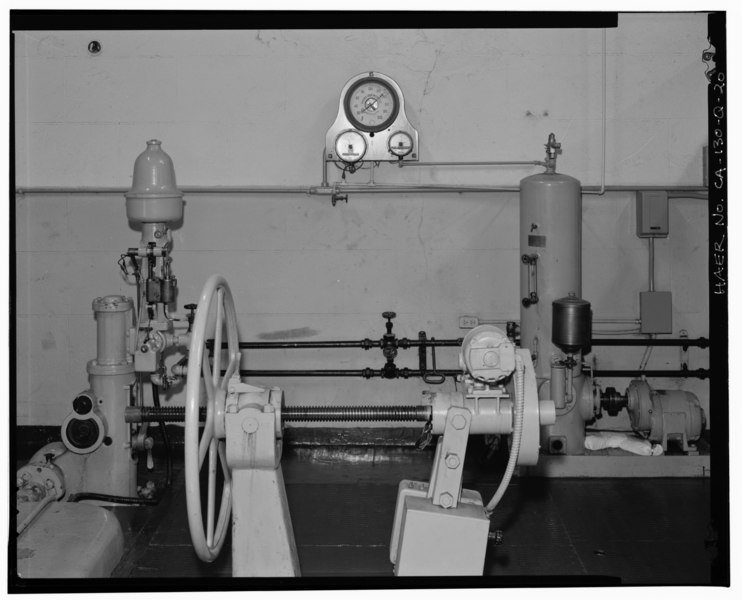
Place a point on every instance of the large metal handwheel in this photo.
(215, 316)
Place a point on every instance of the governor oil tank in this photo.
(551, 257)
(571, 324)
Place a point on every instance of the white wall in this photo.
(252, 108)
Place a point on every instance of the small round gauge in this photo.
(371, 104)
(400, 143)
(350, 146)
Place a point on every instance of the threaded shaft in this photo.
(171, 414)
(176, 414)
(356, 413)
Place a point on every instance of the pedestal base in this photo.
(69, 540)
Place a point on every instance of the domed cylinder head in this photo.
(154, 196)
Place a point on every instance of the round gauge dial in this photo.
(371, 104)
(350, 146)
(400, 143)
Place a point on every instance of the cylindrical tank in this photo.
(571, 324)
(550, 230)
(154, 196)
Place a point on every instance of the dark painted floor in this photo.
(640, 531)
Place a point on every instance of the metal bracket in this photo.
(448, 464)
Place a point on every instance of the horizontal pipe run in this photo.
(681, 342)
(404, 343)
(366, 344)
(366, 373)
(485, 163)
(673, 191)
(696, 374)
(618, 321)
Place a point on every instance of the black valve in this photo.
(339, 198)
(389, 347)
(389, 315)
(532, 298)
(389, 343)
(389, 370)
(191, 314)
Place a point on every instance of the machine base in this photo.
(429, 540)
(617, 463)
(263, 542)
(69, 540)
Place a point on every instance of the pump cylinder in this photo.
(112, 315)
(550, 231)
(112, 469)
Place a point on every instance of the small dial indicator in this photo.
(371, 104)
(350, 146)
(400, 143)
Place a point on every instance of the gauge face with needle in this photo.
(371, 104)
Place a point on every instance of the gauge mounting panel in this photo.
(371, 123)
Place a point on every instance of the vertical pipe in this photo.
(651, 264)
(556, 385)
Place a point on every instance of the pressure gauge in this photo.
(371, 104)
(350, 146)
(400, 143)
(371, 123)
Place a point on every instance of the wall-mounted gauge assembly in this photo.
(371, 123)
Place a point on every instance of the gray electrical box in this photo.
(652, 214)
(655, 310)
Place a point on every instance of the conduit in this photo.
(601, 191)
(520, 403)
(689, 191)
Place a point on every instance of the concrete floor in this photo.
(556, 531)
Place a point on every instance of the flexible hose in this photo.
(520, 402)
(111, 498)
(165, 438)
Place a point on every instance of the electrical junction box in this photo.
(655, 310)
(429, 540)
(652, 218)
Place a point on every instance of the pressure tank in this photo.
(551, 258)
(571, 324)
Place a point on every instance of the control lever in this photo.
(191, 308)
